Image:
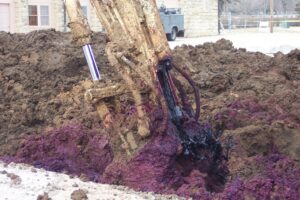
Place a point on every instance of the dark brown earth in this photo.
(42, 78)
(43, 196)
(254, 98)
(79, 195)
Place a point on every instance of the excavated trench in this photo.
(251, 98)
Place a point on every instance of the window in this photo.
(38, 15)
(44, 11)
(33, 15)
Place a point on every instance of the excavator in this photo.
(139, 53)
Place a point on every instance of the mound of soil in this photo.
(42, 81)
(253, 98)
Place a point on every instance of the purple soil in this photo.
(159, 166)
(71, 149)
(278, 177)
(248, 111)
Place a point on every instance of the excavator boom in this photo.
(139, 52)
(138, 46)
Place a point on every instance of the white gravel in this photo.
(23, 182)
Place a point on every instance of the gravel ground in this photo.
(18, 181)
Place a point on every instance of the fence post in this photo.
(271, 15)
(229, 21)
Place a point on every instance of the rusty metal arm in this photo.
(82, 34)
(78, 24)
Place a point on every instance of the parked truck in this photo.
(173, 22)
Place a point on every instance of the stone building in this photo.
(201, 16)
(28, 15)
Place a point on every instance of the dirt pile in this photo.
(253, 98)
(42, 80)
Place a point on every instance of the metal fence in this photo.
(229, 21)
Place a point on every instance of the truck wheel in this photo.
(172, 36)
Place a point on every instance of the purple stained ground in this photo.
(278, 178)
(70, 149)
(160, 166)
(243, 112)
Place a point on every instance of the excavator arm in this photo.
(137, 39)
(139, 53)
(138, 50)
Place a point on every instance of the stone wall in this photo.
(168, 3)
(21, 17)
(201, 16)
(56, 15)
(20, 22)
(159, 2)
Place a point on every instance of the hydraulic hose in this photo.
(196, 91)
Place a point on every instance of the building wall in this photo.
(20, 19)
(20, 22)
(201, 16)
(168, 3)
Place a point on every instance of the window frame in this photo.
(38, 5)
